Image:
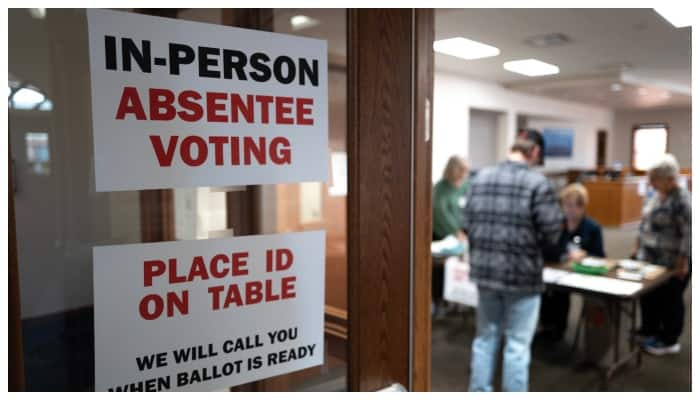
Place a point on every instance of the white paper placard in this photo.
(185, 104)
(158, 304)
(458, 287)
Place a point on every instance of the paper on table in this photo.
(600, 284)
(631, 276)
(552, 275)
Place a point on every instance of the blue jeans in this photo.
(513, 316)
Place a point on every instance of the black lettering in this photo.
(262, 71)
(291, 69)
(308, 71)
(230, 65)
(179, 54)
(272, 359)
(227, 369)
(182, 355)
(142, 56)
(111, 53)
(145, 362)
(205, 61)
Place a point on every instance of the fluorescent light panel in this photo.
(465, 49)
(678, 17)
(531, 67)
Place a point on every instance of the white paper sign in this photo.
(207, 314)
(458, 287)
(184, 104)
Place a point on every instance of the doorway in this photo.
(377, 249)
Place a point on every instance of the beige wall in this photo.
(678, 120)
(456, 95)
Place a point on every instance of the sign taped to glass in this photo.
(185, 104)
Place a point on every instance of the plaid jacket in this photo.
(511, 215)
(664, 233)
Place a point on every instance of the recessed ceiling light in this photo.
(531, 67)
(678, 17)
(302, 22)
(615, 87)
(466, 49)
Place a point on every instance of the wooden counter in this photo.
(614, 202)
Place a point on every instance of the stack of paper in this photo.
(600, 284)
(552, 275)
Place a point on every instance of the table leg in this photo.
(634, 346)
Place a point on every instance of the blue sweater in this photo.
(591, 241)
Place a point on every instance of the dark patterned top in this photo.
(664, 233)
(511, 215)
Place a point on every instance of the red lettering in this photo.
(288, 289)
(250, 147)
(185, 99)
(233, 296)
(218, 142)
(172, 272)
(186, 151)
(264, 107)
(161, 104)
(235, 150)
(253, 292)
(215, 291)
(238, 107)
(157, 304)
(181, 303)
(130, 103)
(152, 268)
(269, 293)
(213, 106)
(238, 263)
(280, 152)
(303, 111)
(215, 272)
(284, 259)
(198, 269)
(165, 157)
(268, 261)
(282, 108)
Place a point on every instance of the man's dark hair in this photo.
(525, 142)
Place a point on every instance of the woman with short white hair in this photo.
(664, 239)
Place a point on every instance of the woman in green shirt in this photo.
(447, 214)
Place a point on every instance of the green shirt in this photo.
(447, 214)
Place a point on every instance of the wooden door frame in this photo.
(389, 178)
(389, 202)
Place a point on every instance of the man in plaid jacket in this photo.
(512, 214)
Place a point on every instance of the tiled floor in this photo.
(553, 368)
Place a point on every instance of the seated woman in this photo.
(664, 239)
(581, 237)
(447, 215)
